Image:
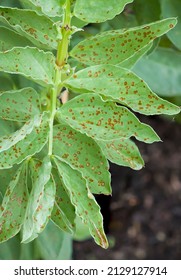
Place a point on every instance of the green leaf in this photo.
(10, 249)
(25, 142)
(13, 207)
(19, 105)
(32, 63)
(86, 207)
(173, 8)
(37, 28)
(123, 86)
(82, 231)
(63, 214)
(116, 46)
(54, 244)
(6, 176)
(27, 251)
(7, 127)
(102, 120)
(122, 152)
(84, 155)
(10, 39)
(53, 8)
(6, 83)
(10, 3)
(99, 10)
(41, 200)
(162, 71)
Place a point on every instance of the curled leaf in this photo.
(12, 210)
(86, 207)
(41, 199)
(25, 142)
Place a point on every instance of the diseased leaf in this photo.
(84, 155)
(99, 10)
(116, 46)
(123, 86)
(13, 207)
(162, 71)
(86, 207)
(19, 105)
(10, 39)
(173, 8)
(63, 214)
(25, 142)
(41, 200)
(32, 63)
(102, 120)
(39, 29)
(132, 60)
(53, 8)
(122, 152)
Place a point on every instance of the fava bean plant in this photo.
(66, 108)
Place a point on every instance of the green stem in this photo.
(61, 60)
(62, 53)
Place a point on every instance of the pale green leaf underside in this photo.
(63, 214)
(51, 8)
(41, 199)
(98, 10)
(116, 46)
(124, 87)
(27, 141)
(86, 207)
(39, 29)
(102, 120)
(10, 39)
(84, 155)
(19, 105)
(13, 207)
(32, 63)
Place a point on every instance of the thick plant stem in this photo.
(61, 60)
(62, 53)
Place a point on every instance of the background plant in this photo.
(54, 157)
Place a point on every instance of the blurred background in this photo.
(142, 218)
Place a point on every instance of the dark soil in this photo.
(145, 209)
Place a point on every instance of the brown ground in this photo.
(145, 210)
